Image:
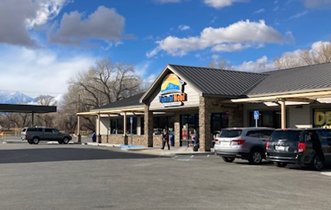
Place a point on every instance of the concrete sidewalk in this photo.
(130, 148)
(153, 150)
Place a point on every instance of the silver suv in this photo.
(246, 143)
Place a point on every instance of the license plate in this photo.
(225, 143)
(281, 148)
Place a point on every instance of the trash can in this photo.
(172, 140)
(94, 137)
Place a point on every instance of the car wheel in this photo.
(317, 163)
(228, 159)
(65, 140)
(255, 157)
(280, 164)
(30, 141)
(35, 140)
(60, 142)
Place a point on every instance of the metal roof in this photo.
(211, 81)
(300, 79)
(26, 108)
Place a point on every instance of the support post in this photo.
(32, 119)
(79, 137)
(283, 114)
(99, 135)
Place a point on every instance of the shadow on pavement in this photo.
(65, 154)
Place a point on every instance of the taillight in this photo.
(267, 145)
(301, 147)
(237, 142)
(216, 140)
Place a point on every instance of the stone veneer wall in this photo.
(157, 140)
(177, 129)
(120, 139)
(137, 139)
(148, 127)
(207, 106)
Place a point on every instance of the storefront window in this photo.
(189, 122)
(270, 119)
(117, 126)
(161, 122)
(134, 125)
(219, 121)
(142, 128)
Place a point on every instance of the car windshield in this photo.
(230, 133)
(290, 135)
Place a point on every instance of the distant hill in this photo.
(14, 97)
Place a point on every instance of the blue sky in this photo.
(44, 43)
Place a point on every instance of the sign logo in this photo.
(171, 93)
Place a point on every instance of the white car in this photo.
(243, 142)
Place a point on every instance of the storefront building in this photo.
(195, 102)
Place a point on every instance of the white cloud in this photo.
(237, 36)
(103, 24)
(299, 15)
(184, 27)
(221, 3)
(35, 71)
(261, 64)
(48, 9)
(142, 68)
(259, 11)
(25, 15)
(230, 47)
(316, 3)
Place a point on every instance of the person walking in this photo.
(165, 138)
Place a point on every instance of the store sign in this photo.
(322, 119)
(171, 93)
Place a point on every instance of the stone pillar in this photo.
(236, 116)
(204, 125)
(177, 129)
(148, 127)
(124, 124)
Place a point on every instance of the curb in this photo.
(146, 150)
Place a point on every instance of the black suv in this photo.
(310, 147)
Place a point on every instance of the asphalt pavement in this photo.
(79, 177)
(129, 148)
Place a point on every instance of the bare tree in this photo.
(102, 84)
(220, 64)
(46, 119)
(320, 53)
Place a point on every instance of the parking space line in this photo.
(326, 173)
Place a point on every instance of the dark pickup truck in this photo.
(35, 134)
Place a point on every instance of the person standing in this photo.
(165, 138)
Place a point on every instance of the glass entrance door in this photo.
(189, 125)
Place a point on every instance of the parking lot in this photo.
(51, 176)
